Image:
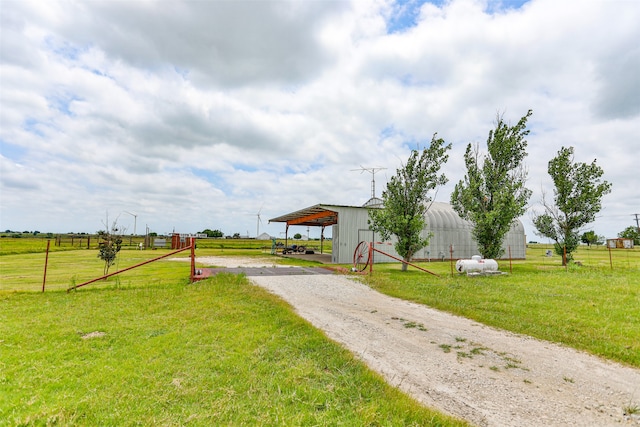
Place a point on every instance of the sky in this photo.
(187, 115)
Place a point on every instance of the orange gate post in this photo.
(193, 258)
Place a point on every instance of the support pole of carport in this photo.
(321, 239)
(286, 237)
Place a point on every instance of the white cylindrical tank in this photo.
(476, 264)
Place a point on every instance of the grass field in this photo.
(218, 352)
(38, 244)
(147, 348)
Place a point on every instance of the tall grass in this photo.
(218, 352)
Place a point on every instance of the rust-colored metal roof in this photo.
(315, 216)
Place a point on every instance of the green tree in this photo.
(631, 233)
(577, 199)
(493, 193)
(297, 236)
(109, 245)
(406, 199)
(589, 237)
(212, 233)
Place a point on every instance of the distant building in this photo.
(620, 243)
(264, 236)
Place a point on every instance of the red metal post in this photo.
(404, 262)
(371, 258)
(46, 262)
(193, 258)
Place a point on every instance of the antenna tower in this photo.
(372, 171)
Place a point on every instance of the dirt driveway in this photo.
(484, 375)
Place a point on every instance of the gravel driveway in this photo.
(484, 375)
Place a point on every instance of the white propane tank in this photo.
(476, 264)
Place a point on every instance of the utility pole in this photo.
(637, 221)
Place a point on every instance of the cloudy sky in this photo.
(200, 114)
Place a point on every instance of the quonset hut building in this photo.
(349, 227)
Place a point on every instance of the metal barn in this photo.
(349, 226)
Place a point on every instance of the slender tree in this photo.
(493, 193)
(109, 244)
(578, 193)
(406, 199)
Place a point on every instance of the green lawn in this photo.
(218, 352)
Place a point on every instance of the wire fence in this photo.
(591, 256)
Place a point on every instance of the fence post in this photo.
(193, 258)
(46, 262)
(451, 257)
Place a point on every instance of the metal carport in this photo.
(314, 216)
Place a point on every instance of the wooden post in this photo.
(510, 268)
(46, 262)
(610, 260)
(451, 257)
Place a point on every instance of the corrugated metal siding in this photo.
(443, 222)
(352, 228)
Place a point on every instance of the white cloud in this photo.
(195, 114)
